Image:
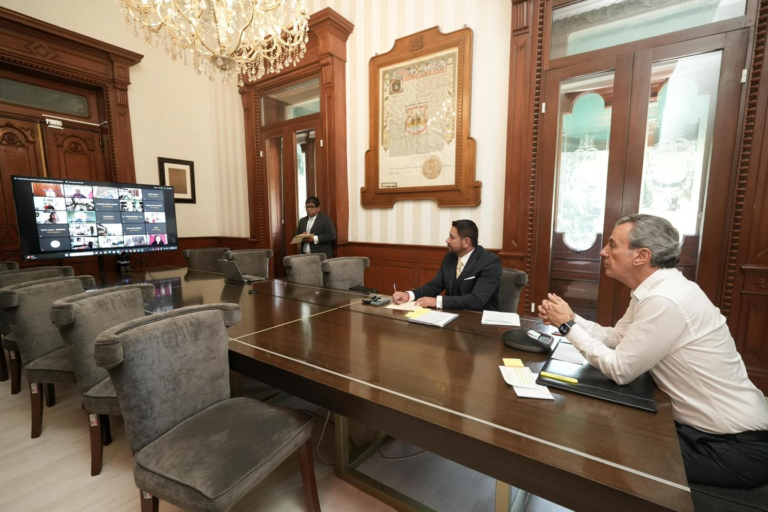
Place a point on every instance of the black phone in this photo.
(528, 340)
(375, 301)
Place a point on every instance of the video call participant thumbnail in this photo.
(58, 217)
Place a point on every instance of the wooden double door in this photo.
(649, 131)
(31, 148)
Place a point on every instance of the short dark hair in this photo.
(313, 200)
(466, 229)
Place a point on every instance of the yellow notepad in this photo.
(515, 363)
(417, 313)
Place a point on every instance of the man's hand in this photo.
(427, 302)
(543, 311)
(400, 297)
(557, 311)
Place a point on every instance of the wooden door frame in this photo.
(325, 57)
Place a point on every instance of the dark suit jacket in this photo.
(324, 231)
(476, 289)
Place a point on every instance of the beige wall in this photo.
(174, 113)
(377, 24)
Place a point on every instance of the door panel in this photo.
(21, 155)
(74, 154)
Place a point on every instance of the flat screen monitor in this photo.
(71, 218)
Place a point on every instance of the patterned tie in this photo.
(459, 267)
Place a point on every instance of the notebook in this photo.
(436, 318)
(500, 318)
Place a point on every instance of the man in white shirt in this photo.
(673, 330)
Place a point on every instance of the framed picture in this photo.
(179, 174)
(420, 147)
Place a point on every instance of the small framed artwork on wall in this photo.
(179, 174)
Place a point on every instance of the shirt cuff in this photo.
(317, 240)
(411, 295)
(439, 302)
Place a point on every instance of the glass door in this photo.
(637, 135)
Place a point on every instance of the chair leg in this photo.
(3, 366)
(36, 399)
(308, 476)
(106, 430)
(15, 367)
(97, 448)
(50, 395)
(149, 503)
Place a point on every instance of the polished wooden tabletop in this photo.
(442, 390)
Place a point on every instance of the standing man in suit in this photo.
(469, 274)
(318, 228)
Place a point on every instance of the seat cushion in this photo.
(211, 460)
(707, 498)
(52, 368)
(102, 399)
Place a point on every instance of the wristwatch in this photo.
(566, 327)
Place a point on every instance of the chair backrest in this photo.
(205, 259)
(512, 283)
(167, 367)
(8, 265)
(28, 308)
(34, 274)
(81, 318)
(254, 262)
(344, 273)
(305, 269)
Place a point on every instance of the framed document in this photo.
(420, 146)
(179, 174)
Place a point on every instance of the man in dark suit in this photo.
(318, 228)
(470, 275)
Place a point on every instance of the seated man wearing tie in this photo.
(470, 275)
(319, 226)
(672, 329)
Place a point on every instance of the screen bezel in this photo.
(25, 224)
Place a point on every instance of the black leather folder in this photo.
(638, 393)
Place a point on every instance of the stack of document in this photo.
(524, 383)
(436, 318)
(499, 318)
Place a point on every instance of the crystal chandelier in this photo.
(245, 37)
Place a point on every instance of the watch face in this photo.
(564, 329)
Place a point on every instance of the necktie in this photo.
(459, 267)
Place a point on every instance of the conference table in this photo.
(439, 389)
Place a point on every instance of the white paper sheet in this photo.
(406, 306)
(523, 381)
(500, 318)
(568, 353)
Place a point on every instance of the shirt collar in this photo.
(650, 282)
(464, 259)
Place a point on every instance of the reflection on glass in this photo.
(295, 101)
(305, 169)
(679, 139)
(584, 127)
(28, 95)
(590, 25)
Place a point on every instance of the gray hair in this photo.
(656, 234)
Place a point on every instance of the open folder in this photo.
(298, 239)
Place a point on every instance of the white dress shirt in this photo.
(672, 329)
(439, 299)
(305, 245)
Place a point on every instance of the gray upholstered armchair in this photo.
(8, 265)
(45, 358)
(305, 269)
(512, 283)
(80, 319)
(194, 446)
(8, 278)
(254, 262)
(344, 273)
(205, 259)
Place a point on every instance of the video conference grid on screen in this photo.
(73, 218)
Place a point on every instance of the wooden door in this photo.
(75, 154)
(21, 154)
(645, 142)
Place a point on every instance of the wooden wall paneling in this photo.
(74, 154)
